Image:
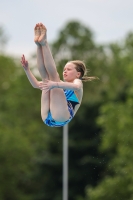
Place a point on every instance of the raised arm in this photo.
(34, 82)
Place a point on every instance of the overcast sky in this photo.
(110, 20)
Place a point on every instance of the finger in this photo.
(45, 91)
(42, 86)
(46, 80)
(23, 57)
(22, 62)
(41, 83)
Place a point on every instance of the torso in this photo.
(79, 96)
(75, 98)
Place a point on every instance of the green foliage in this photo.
(3, 38)
(117, 142)
(16, 165)
(22, 133)
(100, 135)
(117, 138)
(74, 41)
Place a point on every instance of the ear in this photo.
(78, 74)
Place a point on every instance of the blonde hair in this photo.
(80, 67)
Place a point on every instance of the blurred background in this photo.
(100, 33)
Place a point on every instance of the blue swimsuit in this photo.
(72, 101)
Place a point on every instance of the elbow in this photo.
(35, 86)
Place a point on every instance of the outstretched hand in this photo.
(47, 85)
(24, 62)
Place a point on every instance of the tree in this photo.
(85, 163)
(117, 140)
(98, 140)
(3, 39)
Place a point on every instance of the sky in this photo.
(110, 20)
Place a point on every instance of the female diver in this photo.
(60, 99)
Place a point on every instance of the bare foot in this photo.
(37, 33)
(42, 39)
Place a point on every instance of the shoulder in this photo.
(78, 82)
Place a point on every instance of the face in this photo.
(70, 73)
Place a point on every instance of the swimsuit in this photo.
(72, 101)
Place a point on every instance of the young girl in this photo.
(60, 100)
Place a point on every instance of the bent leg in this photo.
(58, 103)
(45, 98)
